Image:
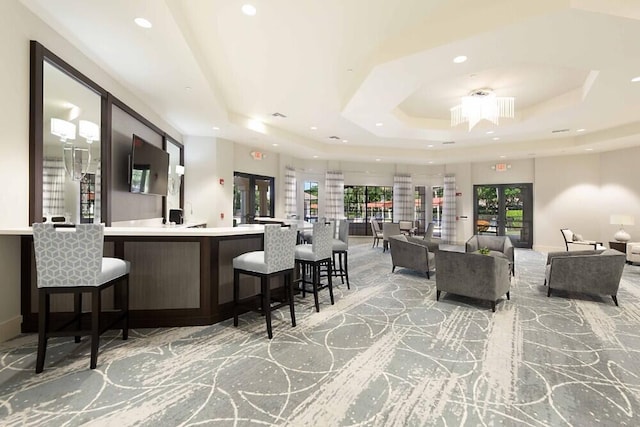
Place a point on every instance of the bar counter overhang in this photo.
(179, 276)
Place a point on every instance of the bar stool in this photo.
(277, 259)
(341, 249)
(69, 260)
(314, 256)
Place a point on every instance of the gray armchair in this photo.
(591, 271)
(389, 229)
(499, 246)
(412, 253)
(473, 275)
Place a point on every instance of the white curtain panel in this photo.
(97, 209)
(53, 176)
(290, 207)
(334, 195)
(449, 210)
(403, 199)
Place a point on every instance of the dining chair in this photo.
(340, 249)
(313, 257)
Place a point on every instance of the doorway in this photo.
(504, 210)
(253, 196)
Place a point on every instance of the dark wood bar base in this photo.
(174, 281)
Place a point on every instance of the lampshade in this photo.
(89, 131)
(619, 219)
(76, 162)
(62, 128)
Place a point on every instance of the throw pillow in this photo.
(577, 238)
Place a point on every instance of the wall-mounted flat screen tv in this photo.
(149, 168)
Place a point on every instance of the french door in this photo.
(253, 196)
(504, 210)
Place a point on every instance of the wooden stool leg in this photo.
(330, 281)
(316, 278)
(289, 285)
(266, 303)
(341, 268)
(125, 306)
(77, 308)
(236, 295)
(43, 326)
(346, 268)
(96, 306)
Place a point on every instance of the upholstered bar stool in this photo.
(340, 247)
(314, 256)
(277, 259)
(69, 260)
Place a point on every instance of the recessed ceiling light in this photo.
(275, 145)
(459, 59)
(379, 124)
(496, 138)
(215, 128)
(345, 140)
(580, 130)
(141, 22)
(377, 160)
(187, 88)
(489, 132)
(636, 79)
(315, 157)
(350, 70)
(502, 157)
(249, 9)
(588, 149)
(313, 128)
(431, 162)
(430, 146)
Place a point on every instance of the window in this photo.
(310, 201)
(436, 215)
(361, 203)
(355, 203)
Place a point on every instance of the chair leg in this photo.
(303, 279)
(393, 268)
(341, 267)
(125, 307)
(266, 303)
(549, 291)
(96, 306)
(316, 278)
(493, 306)
(236, 296)
(438, 295)
(346, 268)
(77, 310)
(615, 300)
(43, 327)
(428, 277)
(508, 296)
(289, 288)
(330, 282)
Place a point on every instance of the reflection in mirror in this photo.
(71, 153)
(176, 172)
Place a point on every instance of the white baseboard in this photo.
(10, 328)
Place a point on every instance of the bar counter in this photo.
(179, 276)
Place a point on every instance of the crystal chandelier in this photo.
(481, 104)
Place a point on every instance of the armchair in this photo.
(591, 271)
(570, 238)
(389, 229)
(412, 253)
(499, 246)
(633, 252)
(473, 275)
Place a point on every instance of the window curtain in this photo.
(53, 177)
(97, 208)
(403, 199)
(334, 195)
(449, 210)
(290, 208)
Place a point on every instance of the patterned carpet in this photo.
(385, 354)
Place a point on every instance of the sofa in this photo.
(633, 252)
(484, 277)
(411, 252)
(591, 271)
(499, 246)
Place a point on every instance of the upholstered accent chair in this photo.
(570, 238)
(473, 275)
(389, 229)
(277, 259)
(499, 246)
(591, 271)
(340, 248)
(69, 260)
(411, 252)
(633, 252)
(376, 232)
(312, 258)
(407, 227)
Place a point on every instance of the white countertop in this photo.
(182, 230)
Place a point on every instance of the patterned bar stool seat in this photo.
(313, 257)
(277, 259)
(69, 260)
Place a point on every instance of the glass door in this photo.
(253, 196)
(505, 210)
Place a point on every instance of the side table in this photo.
(619, 246)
